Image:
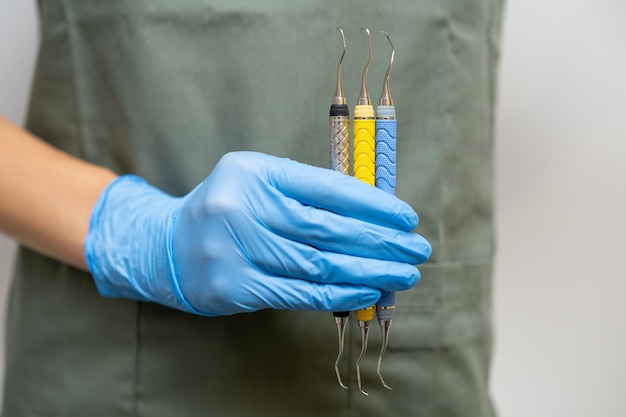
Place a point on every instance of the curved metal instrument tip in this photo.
(358, 379)
(364, 98)
(381, 377)
(339, 97)
(341, 384)
(385, 325)
(393, 48)
(341, 322)
(364, 336)
(385, 97)
(343, 37)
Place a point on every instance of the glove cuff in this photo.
(128, 248)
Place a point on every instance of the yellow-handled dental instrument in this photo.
(364, 169)
(339, 130)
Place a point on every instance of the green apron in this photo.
(163, 89)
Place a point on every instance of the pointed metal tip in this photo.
(341, 322)
(380, 376)
(358, 378)
(364, 98)
(364, 335)
(341, 384)
(385, 97)
(339, 98)
(343, 37)
(384, 331)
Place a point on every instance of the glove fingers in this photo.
(329, 231)
(288, 258)
(341, 194)
(303, 295)
(270, 291)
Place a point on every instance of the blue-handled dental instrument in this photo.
(386, 180)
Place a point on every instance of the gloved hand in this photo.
(260, 232)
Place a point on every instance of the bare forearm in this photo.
(46, 196)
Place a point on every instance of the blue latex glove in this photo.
(260, 232)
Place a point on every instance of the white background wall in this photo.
(561, 276)
(561, 164)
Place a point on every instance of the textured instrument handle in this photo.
(364, 144)
(339, 129)
(339, 134)
(386, 155)
(364, 169)
(386, 177)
